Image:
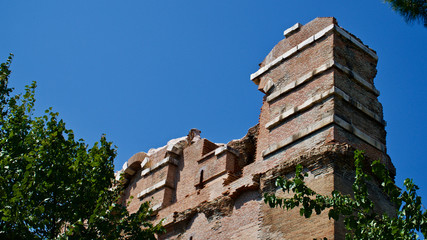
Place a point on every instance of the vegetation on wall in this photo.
(53, 186)
(357, 211)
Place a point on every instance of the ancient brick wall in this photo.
(320, 104)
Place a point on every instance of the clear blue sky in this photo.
(144, 72)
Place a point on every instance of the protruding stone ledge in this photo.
(164, 162)
(307, 42)
(302, 133)
(207, 156)
(307, 104)
(290, 52)
(321, 124)
(268, 86)
(144, 162)
(130, 167)
(157, 207)
(218, 151)
(174, 149)
(356, 41)
(226, 148)
(358, 78)
(318, 158)
(152, 189)
(288, 32)
(279, 92)
(319, 98)
(359, 106)
(349, 127)
(307, 77)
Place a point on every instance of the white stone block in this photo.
(292, 29)
(323, 32)
(220, 150)
(268, 86)
(349, 127)
(275, 61)
(305, 42)
(145, 172)
(157, 207)
(125, 165)
(253, 76)
(342, 32)
(174, 149)
(144, 162)
(151, 189)
(289, 52)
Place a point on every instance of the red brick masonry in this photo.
(320, 104)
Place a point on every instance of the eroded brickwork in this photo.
(320, 104)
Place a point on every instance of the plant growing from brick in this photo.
(53, 186)
(357, 211)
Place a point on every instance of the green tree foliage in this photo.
(411, 10)
(360, 219)
(53, 186)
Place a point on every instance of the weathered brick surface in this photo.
(360, 120)
(368, 99)
(303, 61)
(319, 105)
(354, 58)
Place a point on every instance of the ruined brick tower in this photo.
(320, 104)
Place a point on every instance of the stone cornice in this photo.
(319, 98)
(307, 77)
(307, 42)
(164, 162)
(332, 119)
(152, 189)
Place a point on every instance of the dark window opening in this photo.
(201, 178)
